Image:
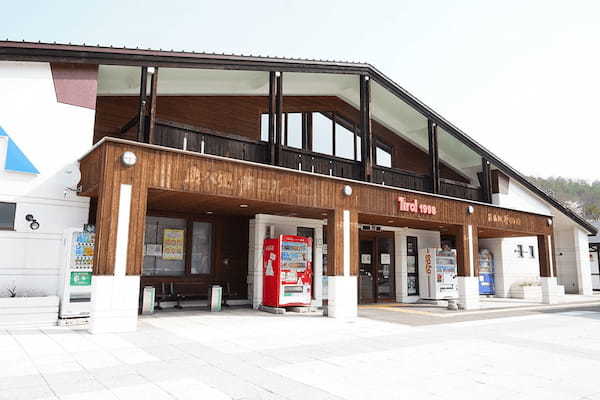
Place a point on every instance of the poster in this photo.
(365, 259)
(385, 258)
(173, 244)
(153, 250)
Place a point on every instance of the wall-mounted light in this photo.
(347, 190)
(470, 210)
(34, 225)
(128, 159)
(549, 221)
(151, 70)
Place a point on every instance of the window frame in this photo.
(189, 224)
(14, 215)
(388, 148)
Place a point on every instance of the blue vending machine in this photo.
(486, 272)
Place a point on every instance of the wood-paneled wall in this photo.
(160, 168)
(240, 115)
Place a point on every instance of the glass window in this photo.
(383, 157)
(344, 145)
(201, 248)
(7, 216)
(294, 130)
(520, 250)
(322, 133)
(264, 127)
(164, 247)
(532, 251)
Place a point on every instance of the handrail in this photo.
(400, 171)
(321, 155)
(207, 131)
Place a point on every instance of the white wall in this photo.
(282, 226)
(519, 198)
(572, 259)
(53, 136)
(510, 268)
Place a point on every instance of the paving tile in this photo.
(28, 393)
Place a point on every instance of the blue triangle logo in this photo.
(16, 160)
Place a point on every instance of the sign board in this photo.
(153, 250)
(173, 244)
(80, 278)
(415, 207)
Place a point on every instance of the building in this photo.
(232, 149)
(594, 245)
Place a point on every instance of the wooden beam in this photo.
(467, 254)
(336, 245)
(153, 97)
(365, 128)
(486, 182)
(130, 124)
(434, 168)
(278, 116)
(546, 256)
(272, 123)
(142, 104)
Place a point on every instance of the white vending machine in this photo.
(75, 289)
(437, 275)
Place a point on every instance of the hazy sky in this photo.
(521, 77)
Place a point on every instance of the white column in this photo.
(551, 291)
(401, 267)
(115, 298)
(318, 267)
(468, 286)
(342, 290)
(582, 262)
(257, 272)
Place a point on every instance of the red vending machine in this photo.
(287, 271)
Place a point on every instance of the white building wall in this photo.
(52, 135)
(511, 269)
(277, 225)
(519, 198)
(572, 259)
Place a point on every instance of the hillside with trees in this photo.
(581, 196)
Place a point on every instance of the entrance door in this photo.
(376, 273)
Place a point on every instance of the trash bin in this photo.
(214, 297)
(148, 300)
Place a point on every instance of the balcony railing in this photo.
(460, 190)
(401, 179)
(205, 141)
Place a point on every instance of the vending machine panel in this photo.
(287, 271)
(486, 272)
(437, 277)
(76, 283)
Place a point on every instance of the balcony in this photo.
(205, 141)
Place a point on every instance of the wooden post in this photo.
(546, 256)
(433, 156)
(272, 123)
(278, 116)
(336, 247)
(486, 186)
(142, 105)
(153, 96)
(365, 128)
(467, 251)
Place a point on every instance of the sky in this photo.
(520, 77)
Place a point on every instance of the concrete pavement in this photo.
(244, 354)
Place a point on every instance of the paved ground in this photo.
(243, 354)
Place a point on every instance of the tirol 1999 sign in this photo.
(415, 207)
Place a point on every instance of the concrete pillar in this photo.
(115, 295)
(467, 254)
(342, 267)
(551, 291)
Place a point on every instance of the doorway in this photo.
(376, 281)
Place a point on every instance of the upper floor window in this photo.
(7, 216)
(519, 250)
(383, 155)
(532, 251)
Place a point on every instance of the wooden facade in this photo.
(198, 183)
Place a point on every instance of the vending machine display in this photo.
(437, 277)
(287, 271)
(486, 272)
(76, 283)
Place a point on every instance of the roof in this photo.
(82, 53)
